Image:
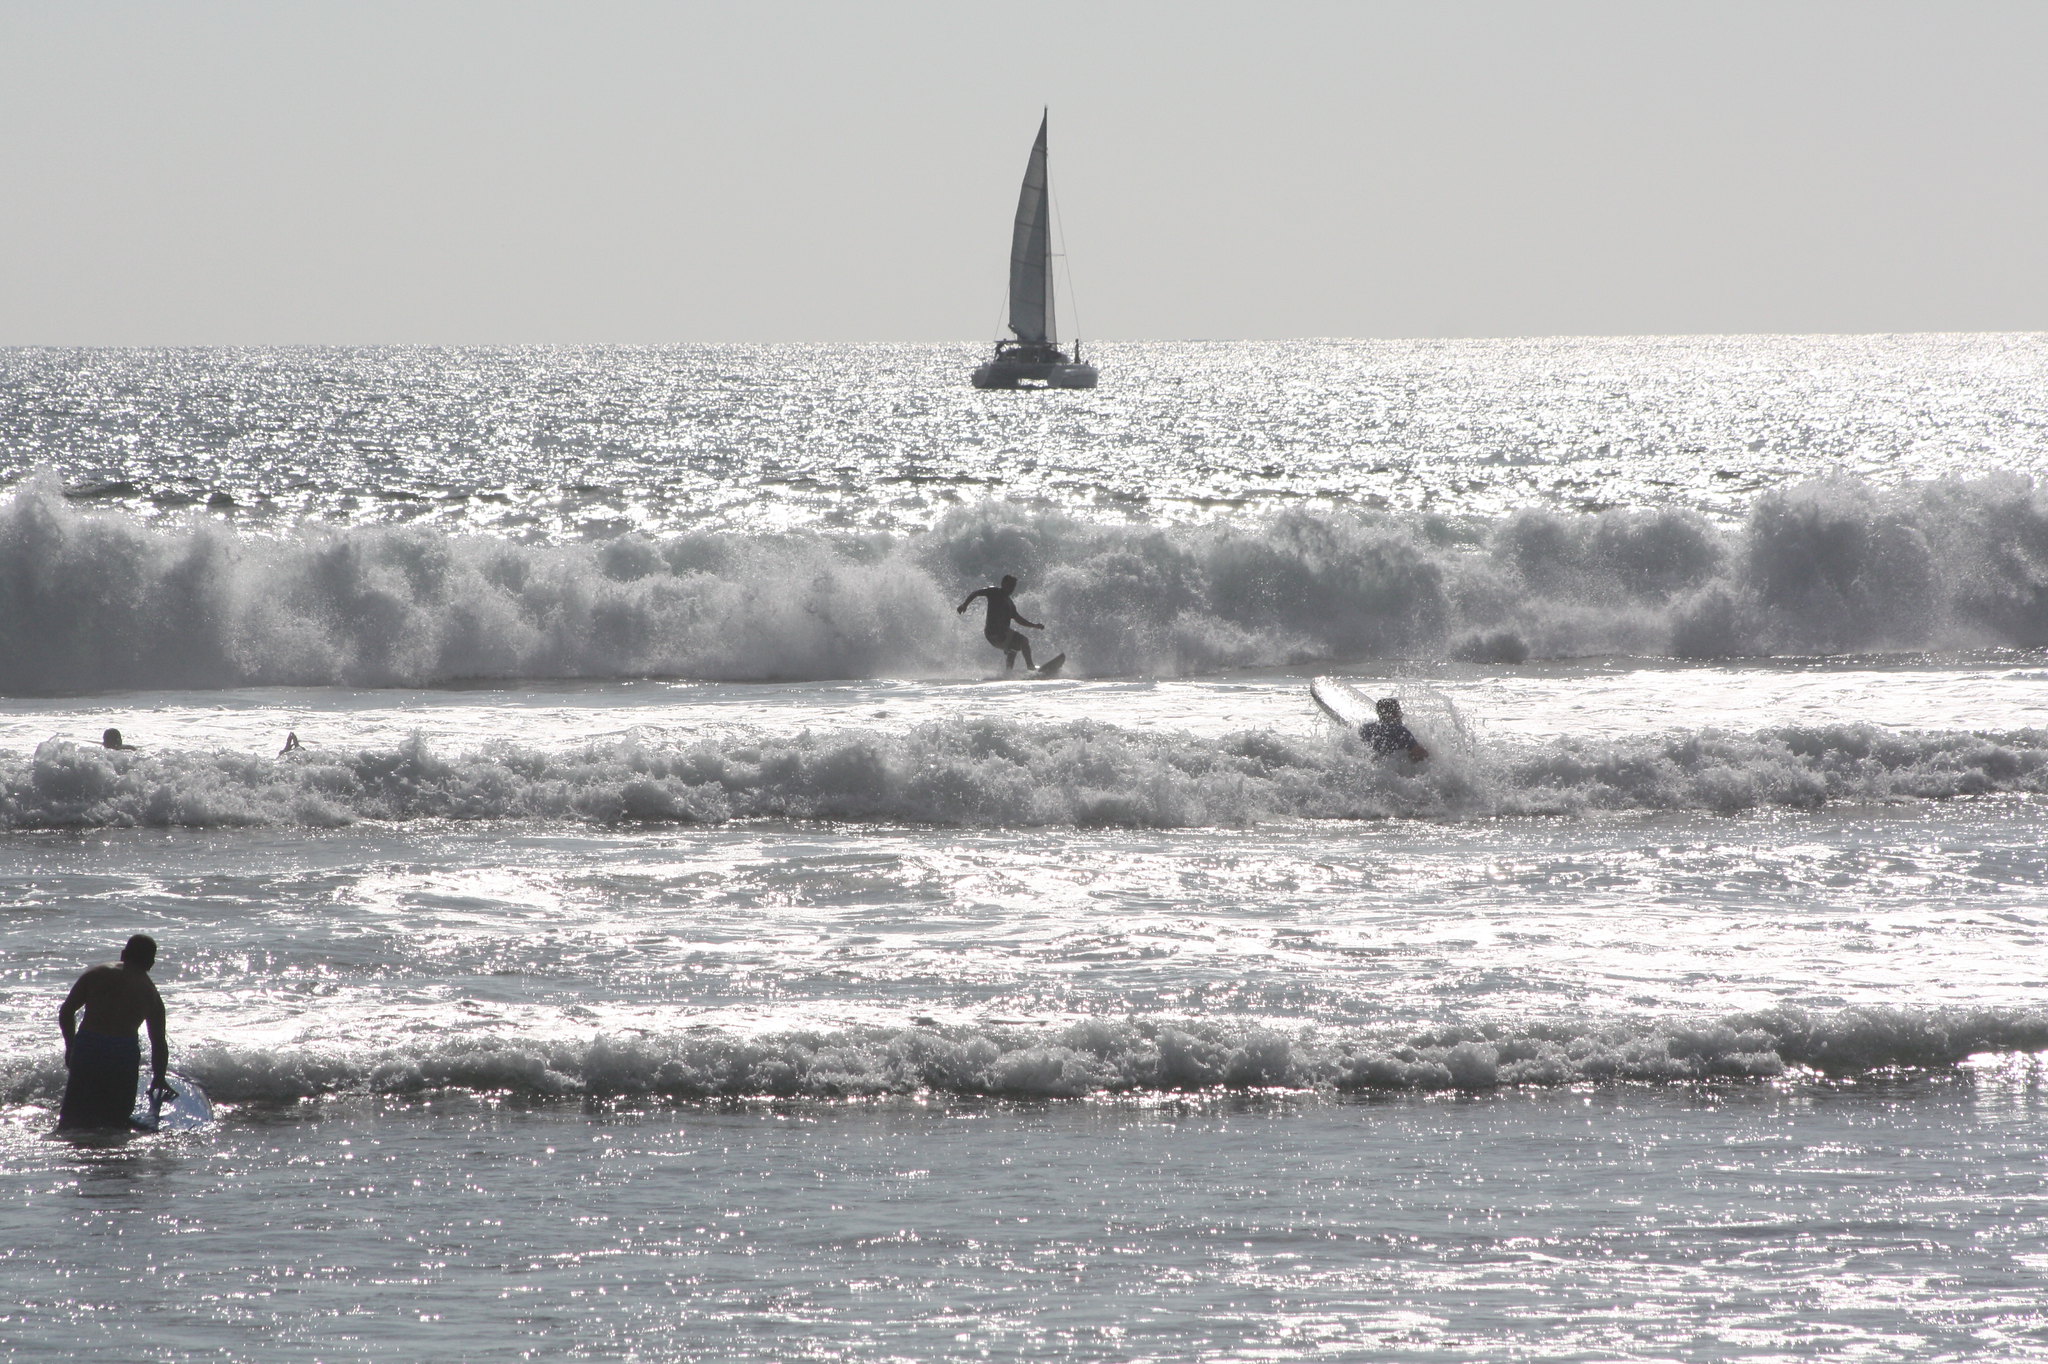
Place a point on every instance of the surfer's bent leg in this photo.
(1012, 643)
(100, 1092)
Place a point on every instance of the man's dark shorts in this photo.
(101, 1090)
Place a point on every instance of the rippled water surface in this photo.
(677, 938)
(1741, 1223)
(553, 442)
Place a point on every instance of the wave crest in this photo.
(990, 772)
(96, 600)
(1103, 1056)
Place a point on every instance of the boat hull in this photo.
(1035, 374)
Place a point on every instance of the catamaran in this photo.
(1034, 358)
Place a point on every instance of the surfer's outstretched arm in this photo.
(968, 600)
(1027, 624)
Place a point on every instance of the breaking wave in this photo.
(996, 772)
(93, 601)
(1100, 1056)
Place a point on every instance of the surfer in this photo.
(1001, 611)
(102, 1053)
(112, 739)
(291, 743)
(1388, 735)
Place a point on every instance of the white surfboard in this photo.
(190, 1109)
(1342, 702)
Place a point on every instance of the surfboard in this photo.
(1051, 667)
(1342, 702)
(189, 1110)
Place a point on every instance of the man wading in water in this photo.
(103, 1054)
(1001, 611)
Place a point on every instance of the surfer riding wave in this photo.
(996, 629)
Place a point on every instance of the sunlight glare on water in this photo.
(676, 937)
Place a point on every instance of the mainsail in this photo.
(1031, 253)
(1034, 359)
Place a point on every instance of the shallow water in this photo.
(1900, 1219)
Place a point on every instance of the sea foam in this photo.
(995, 772)
(1132, 1055)
(96, 600)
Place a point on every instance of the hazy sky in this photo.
(365, 172)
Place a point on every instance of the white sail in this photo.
(1033, 360)
(1031, 253)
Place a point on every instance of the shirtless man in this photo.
(102, 1053)
(1389, 735)
(996, 630)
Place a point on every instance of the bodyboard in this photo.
(189, 1110)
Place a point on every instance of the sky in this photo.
(608, 171)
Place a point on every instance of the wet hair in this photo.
(140, 951)
(111, 739)
(1388, 707)
(1009, 582)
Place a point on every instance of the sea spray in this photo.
(96, 600)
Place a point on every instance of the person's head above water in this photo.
(140, 952)
(112, 739)
(1009, 582)
(1389, 709)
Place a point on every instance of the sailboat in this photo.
(1033, 359)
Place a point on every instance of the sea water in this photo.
(678, 938)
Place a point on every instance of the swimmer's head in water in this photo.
(140, 952)
(1389, 709)
(111, 739)
(1009, 582)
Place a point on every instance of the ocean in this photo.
(677, 937)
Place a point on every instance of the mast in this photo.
(1031, 308)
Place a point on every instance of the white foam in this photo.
(987, 771)
(92, 601)
(1100, 1056)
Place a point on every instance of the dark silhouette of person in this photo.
(291, 743)
(1388, 735)
(112, 739)
(102, 1052)
(996, 630)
